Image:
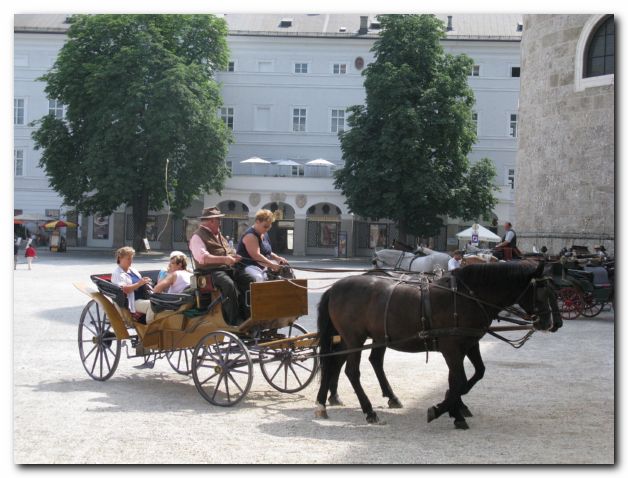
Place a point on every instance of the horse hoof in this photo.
(465, 411)
(394, 403)
(431, 414)
(335, 401)
(373, 419)
(461, 425)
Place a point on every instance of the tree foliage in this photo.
(142, 105)
(406, 150)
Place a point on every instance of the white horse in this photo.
(431, 261)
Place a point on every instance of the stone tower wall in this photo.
(565, 161)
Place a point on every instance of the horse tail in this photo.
(326, 331)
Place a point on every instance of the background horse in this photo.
(478, 258)
(392, 313)
(426, 260)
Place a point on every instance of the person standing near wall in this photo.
(30, 253)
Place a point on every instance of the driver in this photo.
(212, 253)
(509, 240)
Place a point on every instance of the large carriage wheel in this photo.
(181, 361)
(570, 302)
(98, 347)
(591, 306)
(289, 369)
(222, 369)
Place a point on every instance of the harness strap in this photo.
(386, 338)
(457, 331)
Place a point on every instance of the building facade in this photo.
(285, 94)
(566, 157)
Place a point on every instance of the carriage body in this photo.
(190, 332)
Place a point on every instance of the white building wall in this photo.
(281, 89)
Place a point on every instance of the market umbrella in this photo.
(255, 160)
(56, 224)
(483, 233)
(17, 221)
(287, 162)
(320, 162)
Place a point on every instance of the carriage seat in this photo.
(582, 275)
(161, 301)
(108, 289)
(600, 277)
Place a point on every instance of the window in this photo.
(300, 67)
(474, 118)
(513, 125)
(19, 111)
(56, 213)
(600, 54)
(322, 234)
(56, 108)
(337, 121)
(231, 66)
(298, 119)
(339, 69)
(18, 159)
(298, 170)
(515, 71)
(475, 70)
(511, 178)
(262, 118)
(226, 114)
(265, 66)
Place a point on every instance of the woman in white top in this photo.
(177, 279)
(130, 280)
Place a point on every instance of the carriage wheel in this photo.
(180, 361)
(290, 369)
(592, 307)
(570, 303)
(98, 347)
(222, 369)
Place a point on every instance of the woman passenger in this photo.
(177, 278)
(255, 249)
(130, 280)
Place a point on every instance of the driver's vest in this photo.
(513, 243)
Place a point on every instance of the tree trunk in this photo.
(140, 215)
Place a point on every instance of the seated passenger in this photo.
(129, 279)
(164, 272)
(178, 277)
(255, 249)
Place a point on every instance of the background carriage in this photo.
(190, 332)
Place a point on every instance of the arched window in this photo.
(600, 53)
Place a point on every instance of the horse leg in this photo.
(475, 357)
(377, 361)
(457, 382)
(330, 370)
(352, 370)
(333, 384)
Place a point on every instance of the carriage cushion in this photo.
(600, 276)
(106, 288)
(164, 301)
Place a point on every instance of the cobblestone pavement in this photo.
(551, 401)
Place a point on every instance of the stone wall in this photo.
(565, 160)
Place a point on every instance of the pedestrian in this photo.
(30, 253)
(455, 262)
(16, 248)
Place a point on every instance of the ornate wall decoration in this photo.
(301, 200)
(254, 199)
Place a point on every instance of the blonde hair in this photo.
(264, 215)
(123, 252)
(180, 260)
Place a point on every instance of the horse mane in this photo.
(496, 274)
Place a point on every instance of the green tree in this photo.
(141, 126)
(406, 151)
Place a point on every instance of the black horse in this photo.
(449, 316)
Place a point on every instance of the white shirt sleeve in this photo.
(509, 236)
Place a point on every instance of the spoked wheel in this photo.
(181, 361)
(222, 369)
(289, 368)
(570, 303)
(592, 307)
(98, 347)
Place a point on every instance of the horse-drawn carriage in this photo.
(190, 332)
(583, 288)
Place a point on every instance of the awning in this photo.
(483, 234)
